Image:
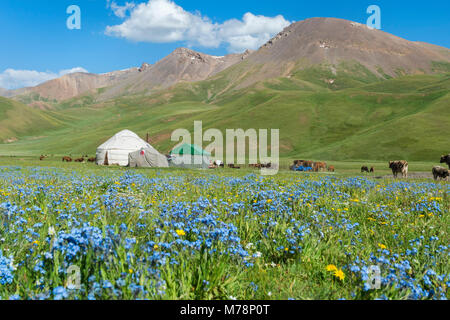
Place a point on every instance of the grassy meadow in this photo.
(219, 234)
(358, 117)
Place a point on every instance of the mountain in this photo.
(335, 89)
(338, 45)
(338, 53)
(69, 86)
(182, 65)
(3, 92)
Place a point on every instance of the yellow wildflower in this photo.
(339, 274)
(180, 233)
(331, 267)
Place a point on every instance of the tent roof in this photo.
(192, 149)
(125, 140)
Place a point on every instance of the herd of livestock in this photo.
(397, 167)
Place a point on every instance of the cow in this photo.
(41, 158)
(67, 159)
(446, 159)
(232, 166)
(399, 167)
(440, 172)
(331, 169)
(372, 169)
(93, 159)
(364, 169)
(79, 160)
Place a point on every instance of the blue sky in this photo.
(37, 45)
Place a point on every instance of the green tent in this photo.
(189, 156)
(189, 149)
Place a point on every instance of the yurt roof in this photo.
(125, 140)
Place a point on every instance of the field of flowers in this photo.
(161, 234)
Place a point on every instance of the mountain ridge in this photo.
(329, 42)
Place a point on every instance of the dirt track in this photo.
(411, 175)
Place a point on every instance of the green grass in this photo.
(291, 226)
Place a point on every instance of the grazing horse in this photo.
(93, 159)
(372, 169)
(320, 166)
(41, 158)
(67, 159)
(364, 169)
(331, 169)
(308, 164)
(79, 160)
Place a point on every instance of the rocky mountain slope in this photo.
(182, 65)
(72, 85)
(339, 44)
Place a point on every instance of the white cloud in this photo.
(14, 79)
(163, 21)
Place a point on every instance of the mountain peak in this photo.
(331, 41)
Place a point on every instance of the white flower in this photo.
(269, 293)
(232, 298)
(249, 246)
(257, 254)
(51, 231)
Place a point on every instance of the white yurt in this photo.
(115, 151)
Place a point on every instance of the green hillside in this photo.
(357, 116)
(18, 120)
